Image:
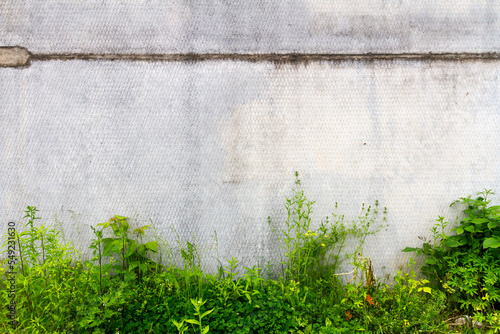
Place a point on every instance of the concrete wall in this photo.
(259, 26)
(214, 145)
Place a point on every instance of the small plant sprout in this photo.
(197, 304)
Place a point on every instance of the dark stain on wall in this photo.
(18, 56)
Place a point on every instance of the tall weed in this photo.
(312, 254)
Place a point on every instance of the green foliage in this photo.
(107, 295)
(480, 230)
(269, 312)
(197, 304)
(134, 260)
(466, 265)
(413, 306)
(45, 278)
(311, 255)
(406, 306)
(121, 290)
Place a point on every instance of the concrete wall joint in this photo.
(20, 57)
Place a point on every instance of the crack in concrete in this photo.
(21, 57)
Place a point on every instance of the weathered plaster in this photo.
(262, 26)
(215, 145)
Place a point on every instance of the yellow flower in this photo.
(307, 234)
(309, 231)
(323, 245)
(326, 236)
(407, 323)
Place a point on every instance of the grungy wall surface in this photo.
(258, 26)
(214, 145)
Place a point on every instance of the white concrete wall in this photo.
(214, 145)
(258, 26)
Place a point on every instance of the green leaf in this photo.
(141, 230)
(469, 228)
(124, 223)
(133, 264)
(426, 289)
(479, 220)
(207, 313)
(492, 224)
(117, 245)
(108, 245)
(115, 228)
(120, 217)
(459, 230)
(493, 242)
(152, 246)
(205, 330)
(131, 248)
(451, 242)
(410, 249)
(192, 321)
(177, 324)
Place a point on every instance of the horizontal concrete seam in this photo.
(272, 57)
(18, 57)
